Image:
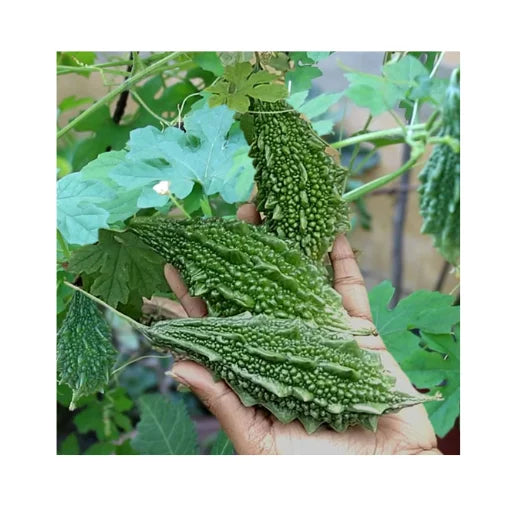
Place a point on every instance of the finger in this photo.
(236, 419)
(249, 213)
(348, 280)
(194, 306)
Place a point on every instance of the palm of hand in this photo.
(255, 431)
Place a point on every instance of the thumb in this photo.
(217, 397)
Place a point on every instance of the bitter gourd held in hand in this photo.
(238, 267)
(300, 186)
(296, 371)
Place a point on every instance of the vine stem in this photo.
(178, 205)
(368, 137)
(382, 180)
(138, 326)
(131, 361)
(143, 73)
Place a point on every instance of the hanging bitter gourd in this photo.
(439, 189)
(296, 371)
(300, 186)
(239, 267)
(85, 355)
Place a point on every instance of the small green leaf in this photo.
(85, 355)
(222, 445)
(209, 61)
(72, 102)
(240, 82)
(301, 78)
(101, 448)
(69, 446)
(269, 92)
(405, 72)
(373, 92)
(316, 56)
(165, 428)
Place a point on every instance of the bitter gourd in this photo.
(85, 355)
(439, 189)
(238, 267)
(315, 375)
(296, 371)
(300, 186)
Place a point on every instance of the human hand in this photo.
(255, 431)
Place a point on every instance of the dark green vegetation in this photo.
(238, 267)
(299, 184)
(440, 181)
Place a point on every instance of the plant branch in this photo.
(382, 180)
(368, 137)
(144, 105)
(137, 77)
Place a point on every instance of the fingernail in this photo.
(177, 377)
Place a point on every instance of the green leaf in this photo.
(160, 98)
(373, 92)
(222, 445)
(430, 360)
(426, 310)
(240, 82)
(204, 155)
(209, 61)
(78, 216)
(438, 370)
(319, 105)
(103, 416)
(120, 263)
(315, 108)
(231, 58)
(101, 448)
(85, 355)
(301, 78)
(69, 446)
(99, 168)
(71, 102)
(405, 71)
(165, 428)
(316, 56)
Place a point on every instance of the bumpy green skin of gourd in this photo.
(299, 184)
(238, 267)
(440, 182)
(85, 355)
(296, 371)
